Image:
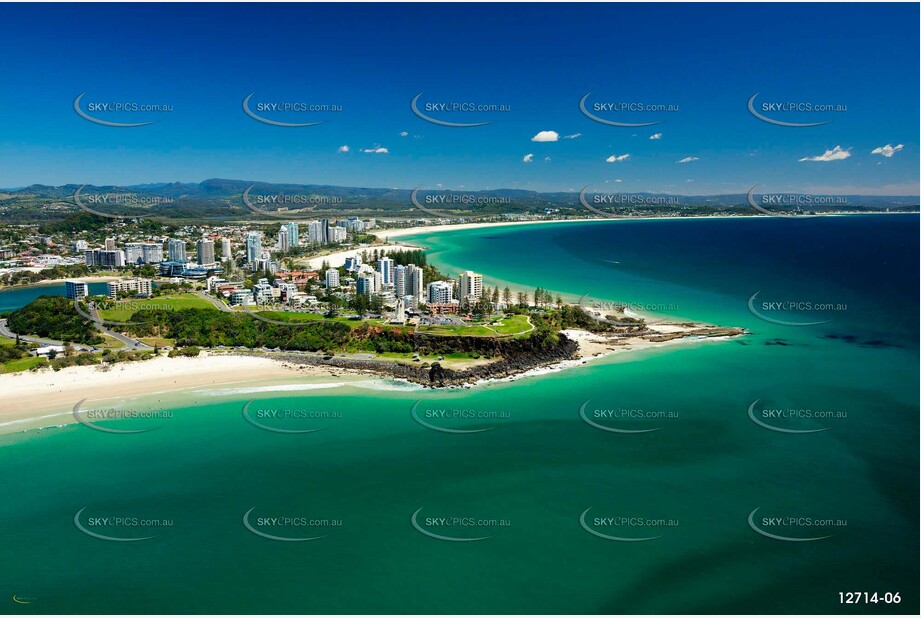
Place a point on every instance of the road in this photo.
(6, 332)
(220, 305)
(130, 344)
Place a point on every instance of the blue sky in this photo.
(539, 60)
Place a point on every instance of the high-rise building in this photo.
(337, 234)
(415, 282)
(253, 247)
(315, 233)
(142, 287)
(205, 250)
(385, 268)
(440, 292)
(226, 249)
(76, 289)
(332, 278)
(293, 233)
(284, 242)
(470, 285)
(101, 257)
(176, 250)
(399, 280)
(79, 246)
(364, 285)
(143, 253)
(110, 244)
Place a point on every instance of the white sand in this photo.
(27, 396)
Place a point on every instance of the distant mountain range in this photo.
(222, 199)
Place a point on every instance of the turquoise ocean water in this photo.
(690, 486)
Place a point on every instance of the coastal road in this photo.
(130, 344)
(6, 332)
(218, 304)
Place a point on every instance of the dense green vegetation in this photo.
(54, 317)
(209, 328)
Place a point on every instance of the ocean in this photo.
(763, 474)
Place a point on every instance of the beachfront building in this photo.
(332, 278)
(470, 286)
(337, 234)
(385, 268)
(226, 249)
(141, 287)
(110, 244)
(415, 282)
(353, 263)
(440, 292)
(75, 290)
(399, 280)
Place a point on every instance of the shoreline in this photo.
(388, 234)
(44, 399)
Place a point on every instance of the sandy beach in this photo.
(44, 398)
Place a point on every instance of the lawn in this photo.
(509, 325)
(21, 364)
(126, 308)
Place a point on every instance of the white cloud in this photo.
(528, 158)
(573, 136)
(688, 159)
(404, 133)
(835, 154)
(887, 150)
(546, 136)
(655, 136)
(344, 148)
(376, 150)
(617, 158)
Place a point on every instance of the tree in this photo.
(559, 301)
(507, 296)
(495, 296)
(360, 304)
